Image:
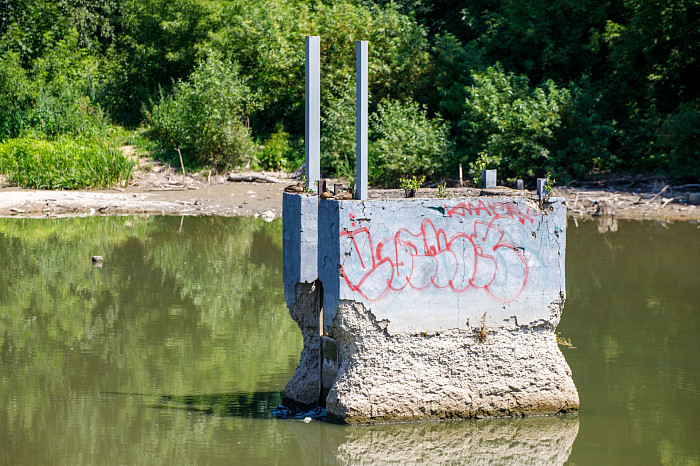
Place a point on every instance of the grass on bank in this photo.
(63, 164)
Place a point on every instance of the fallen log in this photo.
(253, 177)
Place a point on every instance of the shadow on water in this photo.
(255, 405)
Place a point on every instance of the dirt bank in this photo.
(160, 190)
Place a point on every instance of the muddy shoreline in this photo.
(162, 191)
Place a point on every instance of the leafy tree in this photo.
(511, 126)
(14, 96)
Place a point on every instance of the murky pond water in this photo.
(176, 349)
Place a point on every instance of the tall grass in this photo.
(63, 164)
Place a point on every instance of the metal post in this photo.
(488, 178)
(361, 49)
(312, 136)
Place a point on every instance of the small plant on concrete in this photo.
(547, 191)
(481, 334)
(442, 191)
(305, 184)
(411, 185)
(548, 188)
(564, 341)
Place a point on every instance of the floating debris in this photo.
(316, 414)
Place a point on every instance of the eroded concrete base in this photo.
(451, 374)
(304, 388)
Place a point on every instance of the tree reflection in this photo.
(172, 311)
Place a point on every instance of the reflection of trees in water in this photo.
(633, 311)
(545, 440)
(191, 310)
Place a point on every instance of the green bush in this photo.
(52, 98)
(584, 144)
(404, 141)
(279, 152)
(62, 164)
(207, 116)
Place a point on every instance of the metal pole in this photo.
(312, 136)
(361, 49)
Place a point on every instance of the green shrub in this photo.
(279, 152)
(404, 141)
(62, 164)
(583, 144)
(207, 116)
(52, 98)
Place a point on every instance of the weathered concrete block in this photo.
(440, 308)
(434, 264)
(301, 290)
(300, 242)
(445, 375)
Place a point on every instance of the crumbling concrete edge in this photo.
(515, 371)
(303, 390)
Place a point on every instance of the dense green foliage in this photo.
(576, 88)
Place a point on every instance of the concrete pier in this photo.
(415, 309)
(427, 308)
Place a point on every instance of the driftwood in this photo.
(606, 207)
(253, 177)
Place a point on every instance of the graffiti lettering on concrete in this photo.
(493, 209)
(422, 258)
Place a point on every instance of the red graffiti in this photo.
(494, 209)
(482, 260)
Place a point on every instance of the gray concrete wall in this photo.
(435, 264)
(300, 242)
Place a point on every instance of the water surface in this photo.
(176, 349)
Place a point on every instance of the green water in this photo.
(177, 348)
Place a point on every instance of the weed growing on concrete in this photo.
(481, 334)
(549, 187)
(305, 184)
(411, 185)
(561, 341)
(442, 191)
